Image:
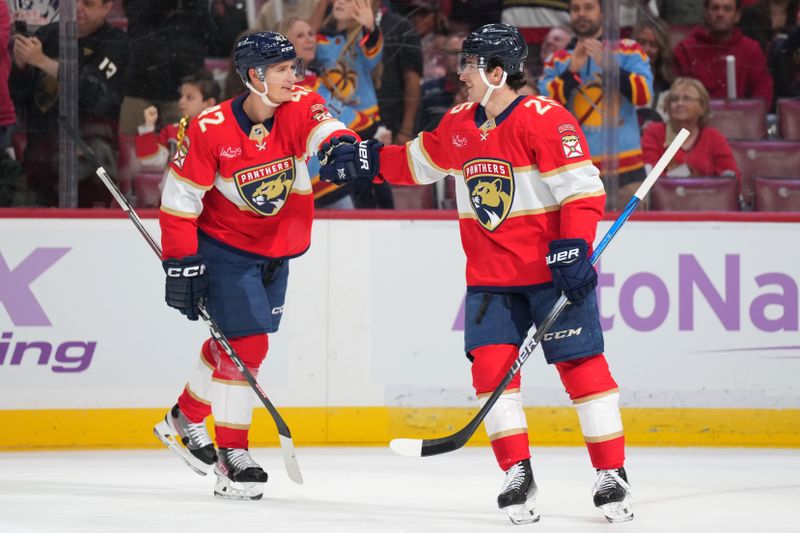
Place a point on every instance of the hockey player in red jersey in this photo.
(529, 200)
(237, 205)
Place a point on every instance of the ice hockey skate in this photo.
(612, 495)
(190, 441)
(239, 477)
(518, 495)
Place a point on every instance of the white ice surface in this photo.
(354, 490)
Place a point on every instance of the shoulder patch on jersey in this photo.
(180, 152)
(571, 144)
(565, 128)
(266, 187)
(491, 189)
(319, 112)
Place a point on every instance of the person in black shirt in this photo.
(102, 58)
(399, 93)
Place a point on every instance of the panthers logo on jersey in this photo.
(491, 190)
(265, 188)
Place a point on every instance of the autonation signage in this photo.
(773, 308)
(19, 344)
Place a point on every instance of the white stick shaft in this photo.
(644, 188)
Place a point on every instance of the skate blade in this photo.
(235, 490)
(172, 440)
(618, 511)
(524, 513)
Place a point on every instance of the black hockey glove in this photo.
(573, 273)
(187, 284)
(343, 160)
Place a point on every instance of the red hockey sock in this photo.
(195, 401)
(505, 424)
(232, 397)
(595, 395)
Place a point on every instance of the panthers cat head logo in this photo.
(491, 190)
(266, 188)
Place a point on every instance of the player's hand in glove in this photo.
(187, 284)
(344, 160)
(573, 273)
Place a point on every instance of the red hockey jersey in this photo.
(153, 149)
(244, 184)
(522, 180)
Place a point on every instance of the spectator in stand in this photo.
(439, 95)
(399, 93)
(10, 171)
(556, 39)
(706, 152)
(652, 34)
(304, 39)
(574, 77)
(702, 54)
(787, 66)
(349, 51)
(198, 92)
(167, 44)
(431, 25)
(228, 20)
(34, 87)
(769, 20)
(8, 117)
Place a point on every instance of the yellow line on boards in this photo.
(375, 426)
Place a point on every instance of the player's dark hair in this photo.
(515, 82)
(205, 83)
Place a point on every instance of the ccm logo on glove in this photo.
(186, 272)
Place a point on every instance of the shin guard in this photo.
(505, 423)
(232, 399)
(595, 395)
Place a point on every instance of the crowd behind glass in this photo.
(727, 70)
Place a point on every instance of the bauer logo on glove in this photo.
(573, 273)
(344, 160)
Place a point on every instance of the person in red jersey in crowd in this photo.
(198, 91)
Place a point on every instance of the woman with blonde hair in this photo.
(349, 53)
(652, 34)
(302, 36)
(706, 152)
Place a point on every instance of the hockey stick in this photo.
(285, 436)
(426, 447)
